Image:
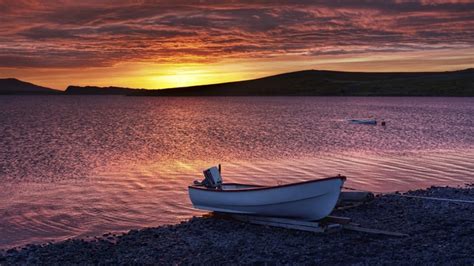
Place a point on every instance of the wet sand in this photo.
(440, 232)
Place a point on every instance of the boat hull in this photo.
(364, 121)
(311, 200)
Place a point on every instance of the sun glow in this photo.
(184, 75)
(177, 80)
(149, 75)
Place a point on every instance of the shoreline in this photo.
(440, 232)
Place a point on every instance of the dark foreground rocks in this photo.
(440, 233)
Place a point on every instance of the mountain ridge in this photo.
(336, 83)
(298, 83)
(16, 86)
(95, 90)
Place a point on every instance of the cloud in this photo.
(95, 34)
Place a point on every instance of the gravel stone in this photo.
(440, 233)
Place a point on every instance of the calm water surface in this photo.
(85, 165)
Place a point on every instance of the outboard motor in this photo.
(212, 178)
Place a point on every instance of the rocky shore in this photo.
(440, 232)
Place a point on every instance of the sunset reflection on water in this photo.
(80, 166)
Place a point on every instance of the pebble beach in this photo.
(439, 232)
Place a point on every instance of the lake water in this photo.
(86, 165)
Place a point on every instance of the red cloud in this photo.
(67, 34)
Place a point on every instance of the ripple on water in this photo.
(77, 166)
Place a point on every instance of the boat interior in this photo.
(233, 186)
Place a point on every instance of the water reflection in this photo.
(77, 166)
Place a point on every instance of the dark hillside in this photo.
(333, 83)
(15, 86)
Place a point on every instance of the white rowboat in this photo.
(309, 200)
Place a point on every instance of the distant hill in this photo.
(92, 90)
(15, 86)
(301, 83)
(335, 83)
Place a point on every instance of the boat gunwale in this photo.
(259, 187)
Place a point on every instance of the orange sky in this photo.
(161, 44)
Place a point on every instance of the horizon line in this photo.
(243, 80)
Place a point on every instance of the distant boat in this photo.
(369, 121)
(309, 200)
